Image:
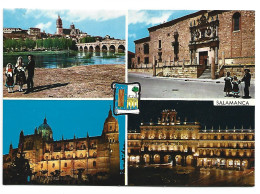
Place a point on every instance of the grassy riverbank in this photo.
(39, 52)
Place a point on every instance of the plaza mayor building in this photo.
(170, 141)
(204, 44)
(71, 157)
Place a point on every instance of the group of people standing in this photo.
(20, 79)
(232, 84)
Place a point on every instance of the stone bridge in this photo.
(115, 45)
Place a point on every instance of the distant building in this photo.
(170, 141)
(71, 32)
(11, 30)
(74, 158)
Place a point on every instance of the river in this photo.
(61, 59)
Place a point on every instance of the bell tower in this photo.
(111, 136)
(59, 26)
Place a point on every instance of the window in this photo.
(146, 48)
(57, 157)
(160, 44)
(94, 163)
(146, 60)
(41, 165)
(53, 165)
(81, 155)
(236, 21)
(65, 165)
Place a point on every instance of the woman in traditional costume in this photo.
(228, 84)
(235, 89)
(20, 73)
(9, 73)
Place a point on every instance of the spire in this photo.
(45, 120)
(11, 146)
(35, 130)
(62, 137)
(74, 136)
(110, 112)
(21, 133)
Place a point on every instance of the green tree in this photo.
(39, 43)
(135, 90)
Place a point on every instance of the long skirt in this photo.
(228, 86)
(9, 82)
(20, 78)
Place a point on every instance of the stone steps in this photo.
(206, 74)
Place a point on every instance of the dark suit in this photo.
(246, 79)
(30, 69)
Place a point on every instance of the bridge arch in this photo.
(112, 48)
(80, 48)
(91, 49)
(104, 48)
(121, 48)
(86, 48)
(97, 48)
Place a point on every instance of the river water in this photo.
(63, 59)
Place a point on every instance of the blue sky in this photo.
(66, 117)
(140, 20)
(93, 22)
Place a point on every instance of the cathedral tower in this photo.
(59, 26)
(111, 135)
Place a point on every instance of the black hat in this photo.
(247, 70)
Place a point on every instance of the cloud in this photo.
(146, 17)
(97, 15)
(43, 26)
(132, 35)
(39, 13)
(75, 15)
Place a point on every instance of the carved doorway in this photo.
(203, 58)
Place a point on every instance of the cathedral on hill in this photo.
(67, 159)
(71, 32)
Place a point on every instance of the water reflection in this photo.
(63, 60)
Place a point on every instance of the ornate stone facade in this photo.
(202, 40)
(75, 158)
(170, 141)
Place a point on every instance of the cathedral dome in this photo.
(110, 117)
(45, 130)
(111, 124)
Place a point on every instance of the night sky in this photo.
(203, 111)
